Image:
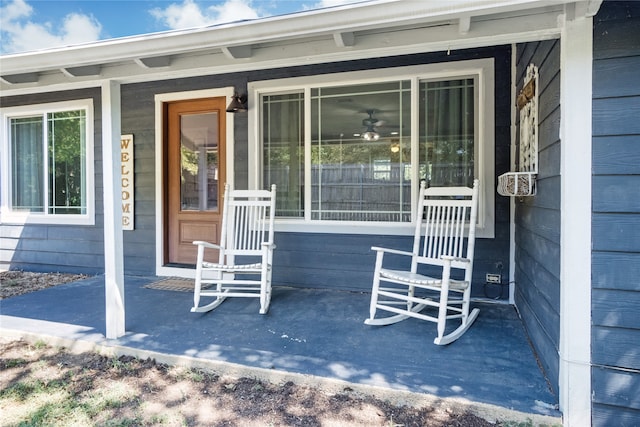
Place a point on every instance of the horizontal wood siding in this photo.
(306, 259)
(58, 248)
(537, 271)
(618, 406)
(616, 216)
(340, 261)
(346, 261)
(138, 108)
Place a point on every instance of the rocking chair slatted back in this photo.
(444, 225)
(245, 251)
(249, 214)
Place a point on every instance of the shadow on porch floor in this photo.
(307, 331)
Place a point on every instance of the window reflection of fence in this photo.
(380, 191)
(364, 192)
(289, 190)
(448, 174)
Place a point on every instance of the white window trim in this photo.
(7, 216)
(483, 68)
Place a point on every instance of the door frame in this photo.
(160, 100)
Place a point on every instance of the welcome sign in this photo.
(126, 181)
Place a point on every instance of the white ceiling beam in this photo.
(237, 52)
(588, 8)
(464, 24)
(344, 39)
(154, 61)
(14, 79)
(84, 71)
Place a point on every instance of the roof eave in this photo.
(235, 40)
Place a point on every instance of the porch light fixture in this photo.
(238, 103)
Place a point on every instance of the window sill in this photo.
(28, 219)
(344, 227)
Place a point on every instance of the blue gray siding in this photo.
(304, 260)
(616, 216)
(60, 248)
(537, 271)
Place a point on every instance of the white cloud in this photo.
(330, 3)
(14, 11)
(189, 14)
(185, 15)
(20, 34)
(235, 10)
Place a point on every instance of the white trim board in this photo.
(112, 205)
(576, 59)
(160, 99)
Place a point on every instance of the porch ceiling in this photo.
(357, 31)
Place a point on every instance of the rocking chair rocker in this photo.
(245, 251)
(445, 219)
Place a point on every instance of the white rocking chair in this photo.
(247, 235)
(445, 219)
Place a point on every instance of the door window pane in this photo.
(447, 132)
(199, 160)
(283, 151)
(361, 152)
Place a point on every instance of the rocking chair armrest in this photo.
(207, 244)
(268, 245)
(391, 251)
(454, 258)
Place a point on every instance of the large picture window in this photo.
(46, 174)
(351, 149)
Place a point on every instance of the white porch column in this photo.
(576, 58)
(113, 258)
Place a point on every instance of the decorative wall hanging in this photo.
(523, 182)
(128, 193)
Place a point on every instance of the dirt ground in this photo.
(43, 385)
(14, 283)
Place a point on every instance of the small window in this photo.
(348, 151)
(49, 155)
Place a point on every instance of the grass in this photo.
(37, 402)
(52, 387)
(39, 345)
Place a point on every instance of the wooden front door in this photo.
(195, 176)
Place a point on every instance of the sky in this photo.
(27, 25)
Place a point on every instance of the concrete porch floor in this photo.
(316, 334)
